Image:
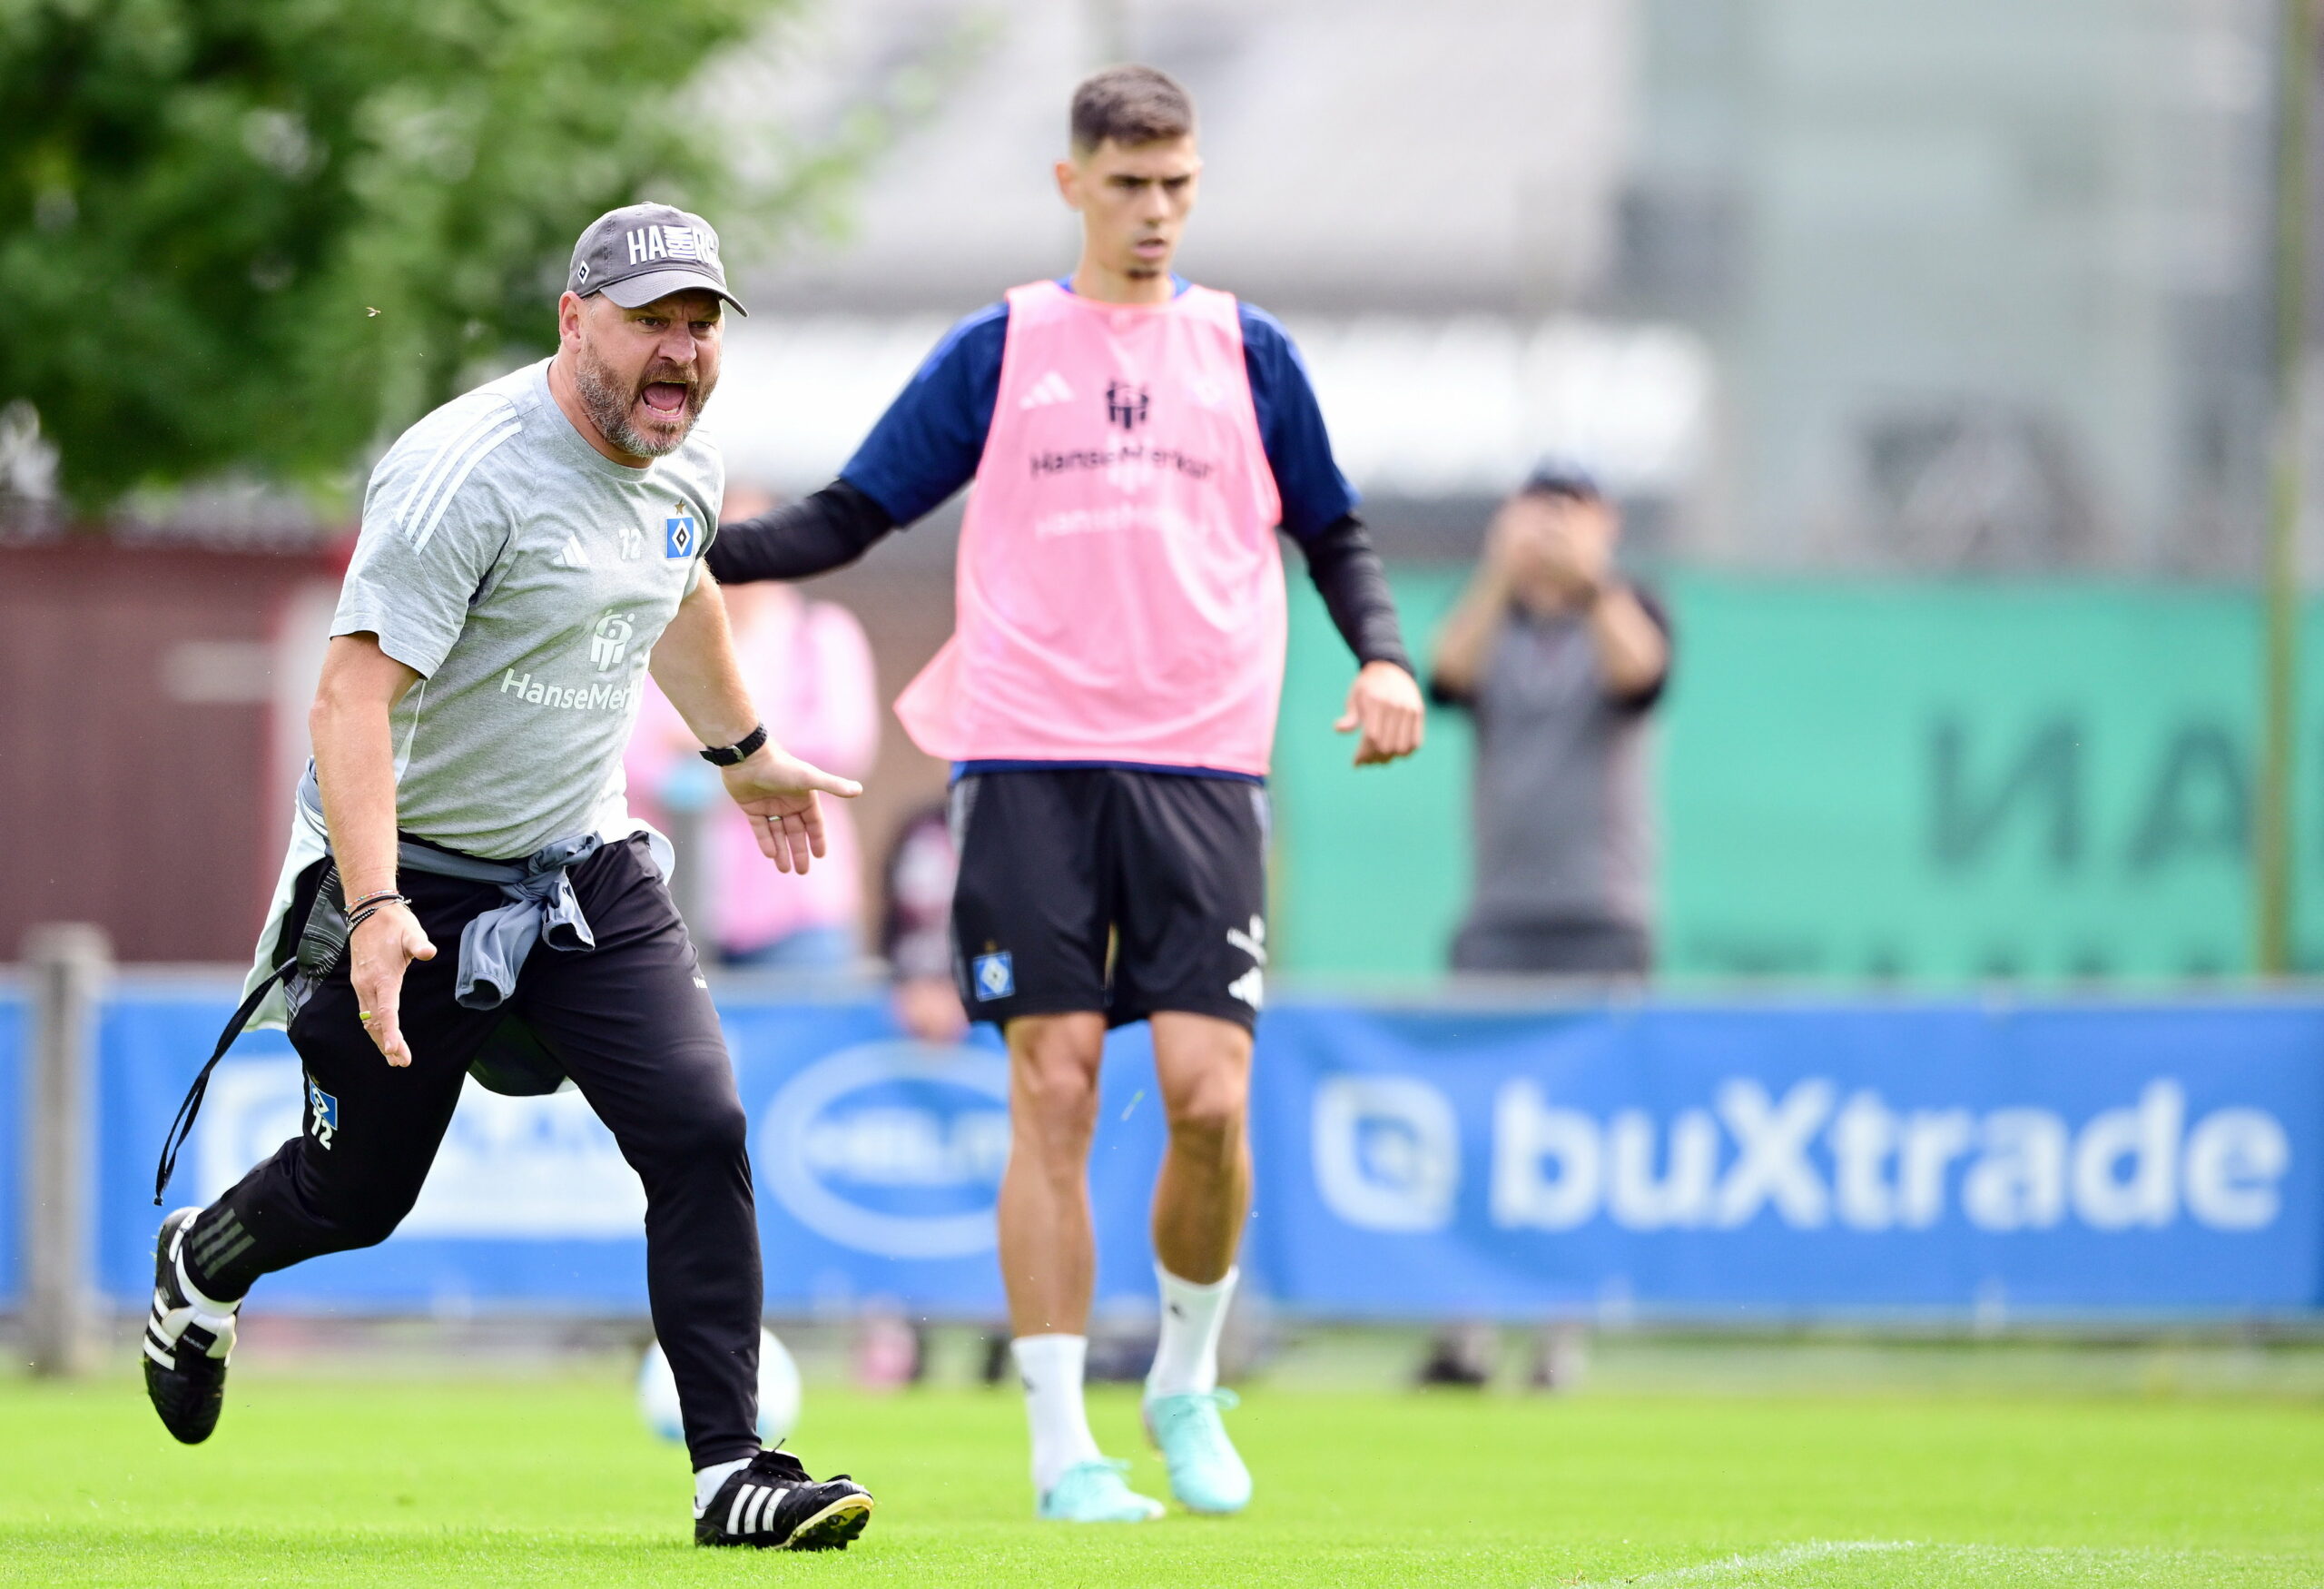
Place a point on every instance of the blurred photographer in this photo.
(1559, 661)
(916, 927)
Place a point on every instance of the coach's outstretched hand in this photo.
(1384, 703)
(778, 792)
(389, 939)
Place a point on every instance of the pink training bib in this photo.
(1119, 591)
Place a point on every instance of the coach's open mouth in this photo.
(665, 397)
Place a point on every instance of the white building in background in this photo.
(1428, 197)
(1458, 157)
(1987, 280)
(1813, 282)
(1419, 408)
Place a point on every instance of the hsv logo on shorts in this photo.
(994, 975)
(678, 536)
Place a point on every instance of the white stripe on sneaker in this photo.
(735, 1511)
(161, 1356)
(762, 1511)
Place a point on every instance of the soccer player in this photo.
(1109, 701)
(525, 551)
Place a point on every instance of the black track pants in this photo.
(632, 1025)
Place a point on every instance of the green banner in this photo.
(1860, 781)
(1371, 868)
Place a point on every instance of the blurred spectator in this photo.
(916, 941)
(808, 666)
(1558, 660)
(916, 927)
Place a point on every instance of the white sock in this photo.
(201, 1304)
(1051, 1365)
(1186, 1359)
(706, 1481)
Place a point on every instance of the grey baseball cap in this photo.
(1559, 477)
(640, 253)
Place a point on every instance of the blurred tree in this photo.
(253, 236)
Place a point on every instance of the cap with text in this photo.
(640, 253)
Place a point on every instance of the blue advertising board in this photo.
(1677, 1160)
(1703, 1161)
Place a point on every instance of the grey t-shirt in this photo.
(1563, 806)
(525, 576)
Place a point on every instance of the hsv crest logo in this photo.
(610, 642)
(994, 974)
(1125, 405)
(679, 534)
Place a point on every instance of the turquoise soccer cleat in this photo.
(1206, 1474)
(1095, 1491)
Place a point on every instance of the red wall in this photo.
(121, 802)
(160, 819)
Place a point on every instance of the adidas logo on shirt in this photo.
(1049, 388)
(570, 555)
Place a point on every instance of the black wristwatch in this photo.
(741, 750)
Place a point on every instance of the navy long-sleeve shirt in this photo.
(928, 445)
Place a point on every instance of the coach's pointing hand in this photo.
(1385, 704)
(388, 940)
(778, 793)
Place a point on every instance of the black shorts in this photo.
(1112, 890)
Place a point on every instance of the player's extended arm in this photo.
(355, 765)
(799, 540)
(694, 663)
(1385, 701)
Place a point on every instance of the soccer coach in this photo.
(525, 551)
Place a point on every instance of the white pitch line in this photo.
(1773, 1561)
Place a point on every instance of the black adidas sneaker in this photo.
(185, 1348)
(771, 1504)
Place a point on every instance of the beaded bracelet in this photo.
(372, 906)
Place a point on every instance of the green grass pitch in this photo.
(478, 1482)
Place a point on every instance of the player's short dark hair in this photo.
(1131, 105)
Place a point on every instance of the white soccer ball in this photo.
(657, 1392)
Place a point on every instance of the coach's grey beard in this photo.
(608, 405)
